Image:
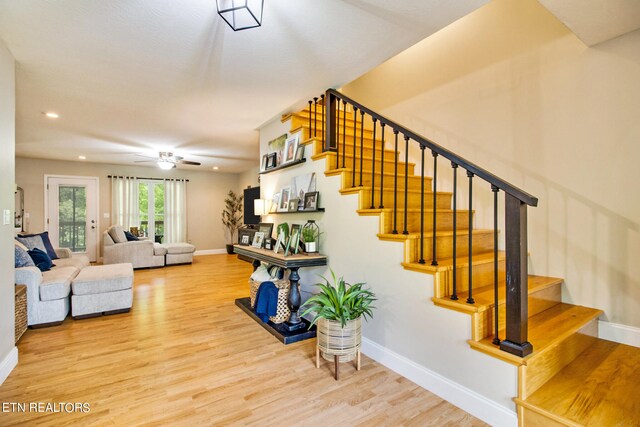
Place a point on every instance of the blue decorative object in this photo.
(22, 258)
(266, 301)
(40, 241)
(130, 237)
(41, 259)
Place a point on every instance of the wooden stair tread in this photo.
(545, 329)
(447, 263)
(357, 188)
(428, 233)
(377, 211)
(600, 387)
(484, 296)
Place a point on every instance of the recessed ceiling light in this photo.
(215, 168)
(51, 115)
(81, 157)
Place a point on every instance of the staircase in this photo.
(566, 375)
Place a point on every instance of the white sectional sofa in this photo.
(141, 253)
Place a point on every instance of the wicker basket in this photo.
(21, 311)
(283, 292)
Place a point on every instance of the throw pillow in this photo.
(117, 234)
(18, 243)
(130, 237)
(46, 243)
(41, 259)
(22, 257)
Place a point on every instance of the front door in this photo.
(72, 213)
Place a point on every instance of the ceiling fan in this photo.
(166, 160)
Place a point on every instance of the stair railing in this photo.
(328, 117)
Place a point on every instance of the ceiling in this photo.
(596, 21)
(138, 77)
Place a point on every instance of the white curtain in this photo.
(124, 202)
(175, 211)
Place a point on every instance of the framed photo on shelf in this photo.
(245, 236)
(258, 240)
(266, 228)
(285, 195)
(293, 205)
(311, 201)
(294, 242)
(276, 147)
(275, 202)
(290, 148)
(300, 153)
(272, 161)
(279, 242)
(263, 164)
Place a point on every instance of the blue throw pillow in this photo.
(41, 259)
(31, 241)
(130, 237)
(22, 258)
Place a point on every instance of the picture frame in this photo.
(276, 147)
(267, 243)
(311, 200)
(245, 236)
(272, 161)
(291, 148)
(258, 240)
(299, 153)
(294, 242)
(279, 242)
(275, 202)
(285, 195)
(267, 229)
(293, 205)
(264, 163)
(245, 240)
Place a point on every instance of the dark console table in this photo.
(292, 329)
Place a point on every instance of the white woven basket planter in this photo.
(339, 344)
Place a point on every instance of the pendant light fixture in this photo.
(241, 14)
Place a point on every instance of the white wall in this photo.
(205, 194)
(8, 351)
(407, 332)
(510, 88)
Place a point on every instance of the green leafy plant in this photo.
(340, 301)
(232, 213)
(309, 235)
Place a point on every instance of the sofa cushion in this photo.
(77, 261)
(179, 248)
(41, 259)
(22, 258)
(159, 249)
(45, 245)
(117, 234)
(56, 283)
(100, 279)
(130, 237)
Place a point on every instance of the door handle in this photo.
(93, 227)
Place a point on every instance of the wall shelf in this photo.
(297, 212)
(284, 166)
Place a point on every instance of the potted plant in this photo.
(232, 216)
(310, 239)
(338, 311)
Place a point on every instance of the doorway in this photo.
(71, 206)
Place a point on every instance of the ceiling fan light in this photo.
(165, 165)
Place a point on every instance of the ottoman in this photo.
(102, 289)
(178, 253)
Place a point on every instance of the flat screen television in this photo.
(251, 194)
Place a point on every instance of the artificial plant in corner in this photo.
(232, 216)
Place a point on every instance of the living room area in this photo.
(319, 213)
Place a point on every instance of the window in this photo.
(151, 208)
(72, 214)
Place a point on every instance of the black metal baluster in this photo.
(496, 339)
(361, 144)
(315, 115)
(344, 131)
(310, 116)
(406, 183)
(421, 261)
(382, 125)
(434, 260)
(355, 121)
(470, 299)
(454, 294)
(324, 109)
(336, 134)
(373, 166)
(395, 184)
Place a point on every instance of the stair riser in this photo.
(298, 120)
(367, 178)
(389, 165)
(443, 200)
(482, 276)
(389, 155)
(444, 221)
(482, 242)
(367, 135)
(539, 301)
(542, 368)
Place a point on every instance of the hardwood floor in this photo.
(186, 355)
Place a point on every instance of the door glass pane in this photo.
(72, 218)
(143, 205)
(158, 192)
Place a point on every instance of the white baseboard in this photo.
(460, 396)
(210, 252)
(8, 363)
(623, 334)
